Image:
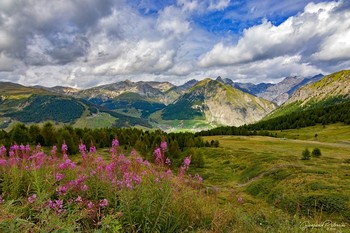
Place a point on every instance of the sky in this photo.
(85, 43)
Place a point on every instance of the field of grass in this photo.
(99, 120)
(330, 133)
(269, 172)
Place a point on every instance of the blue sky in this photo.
(83, 43)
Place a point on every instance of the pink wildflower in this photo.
(163, 145)
(187, 161)
(54, 150)
(3, 162)
(27, 149)
(62, 190)
(14, 147)
(90, 205)
(1, 199)
(64, 148)
(159, 157)
(133, 152)
(59, 176)
(56, 205)
(115, 143)
(167, 161)
(139, 160)
(2, 151)
(32, 198)
(92, 149)
(146, 163)
(103, 203)
(84, 187)
(78, 199)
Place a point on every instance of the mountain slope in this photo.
(218, 104)
(277, 93)
(34, 105)
(330, 90)
(175, 92)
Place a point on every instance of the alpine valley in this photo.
(193, 106)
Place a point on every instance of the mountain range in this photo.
(195, 105)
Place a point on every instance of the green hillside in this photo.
(43, 108)
(129, 101)
(218, 104)
(330, 90)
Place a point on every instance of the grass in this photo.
(269, 172)
(99, 120)
(339, 133)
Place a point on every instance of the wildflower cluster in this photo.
(90, 184)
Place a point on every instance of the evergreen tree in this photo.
(305, 155)
(316, 152)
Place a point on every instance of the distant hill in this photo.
(277, 93)
(330, 90)
(218, 104)
(195, 105)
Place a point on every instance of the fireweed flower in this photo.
(56, 205)
(185, 166)
(62, 190)
(59, 176)
(64, 148)
(32, 198)
(163, 145)
(3, 162)
(1, 199)
(84, 187)
(82, 148)
(158, 154)
(167, 161)
(92, 149)
(78, 199)
(187, 161)
(2, 151)
(115, 143)
(54, 151)
(103, 203)
(139, 160)
(90, 205)
(133, 152)
(14, 147)
(27, 149)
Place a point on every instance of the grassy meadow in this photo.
(269, 174)
(247, 184)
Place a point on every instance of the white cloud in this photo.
(172, 21)
(143, 56)
(218, 4)
(90, 42)
(302, 34)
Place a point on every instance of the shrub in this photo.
(305, 155)
(316, 152)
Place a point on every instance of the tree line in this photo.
(143, 141)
